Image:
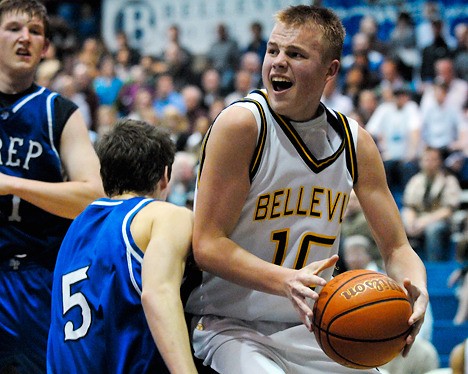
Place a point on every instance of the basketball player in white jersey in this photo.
(276, 172)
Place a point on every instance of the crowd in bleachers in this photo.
(410, 92)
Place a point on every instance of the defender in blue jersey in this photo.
(49, 173)
(122, 260)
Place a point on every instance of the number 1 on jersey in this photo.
(281, 238)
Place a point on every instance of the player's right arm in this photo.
(168, 229)
(223, 188)
(401, 262)
(69, 198)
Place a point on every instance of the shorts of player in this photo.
(232, 346)
(25, 295)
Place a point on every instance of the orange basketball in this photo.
(361, 319)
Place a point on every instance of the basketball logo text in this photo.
(377, 284)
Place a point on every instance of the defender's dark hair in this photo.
(33, 8)
(134, 156)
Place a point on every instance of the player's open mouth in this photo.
(280, 84)
(23, 52)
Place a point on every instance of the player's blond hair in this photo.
(315, 17)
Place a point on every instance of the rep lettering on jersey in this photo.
(286, 202)
(16, 148)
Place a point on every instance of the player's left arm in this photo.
(401, 261)
(64, 199)
(163, 268)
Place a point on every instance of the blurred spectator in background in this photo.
(355, 223)
(391, 78)
(195, 139)
(183, 179)
(63, 36)
(437, 50)
(224, 55)
(333, 98)
(457, 88)
(460, 53)
(107, 116)
(147, 62)
(257, 44)
(84, 84)
(396, 127)
(166, 95)
(362, 55)
(193, 99)
(88, 24)
(91, 53)
(429, 200)
(65, 85)
(173, 38)
(424, 29)
(106, 84)
(211, 86)
(242, 86)
(402, 45)
(121, 39)
(443, 125)
(128, 92)
(369, 26)
(356, 253)
(177, 125)
(355, 80)
(49, 66)
(178, 64)
(123, 66)
(367, 103)
(215, 108)
(142, 107)
(252, 63)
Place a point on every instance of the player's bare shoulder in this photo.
(161, 217)
(236, 119)
(366, 147)
(165, 211)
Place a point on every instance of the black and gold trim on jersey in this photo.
(201, 156)
(255, 163)
(341, 126)
(351, 157)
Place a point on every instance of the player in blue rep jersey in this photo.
(122, 260)
(49, 173)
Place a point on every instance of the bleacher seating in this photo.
(444, 303)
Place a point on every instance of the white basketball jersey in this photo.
(293, 212)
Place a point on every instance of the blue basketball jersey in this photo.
(98, 324)
(29, 142)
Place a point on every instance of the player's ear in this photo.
(45, 47)
(164, 181)
(333, 69)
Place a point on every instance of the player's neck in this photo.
(125, 196)
(11, 86)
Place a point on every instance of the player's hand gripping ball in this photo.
(361, 319)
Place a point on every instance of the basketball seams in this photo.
(362, 274)
(382, 301)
